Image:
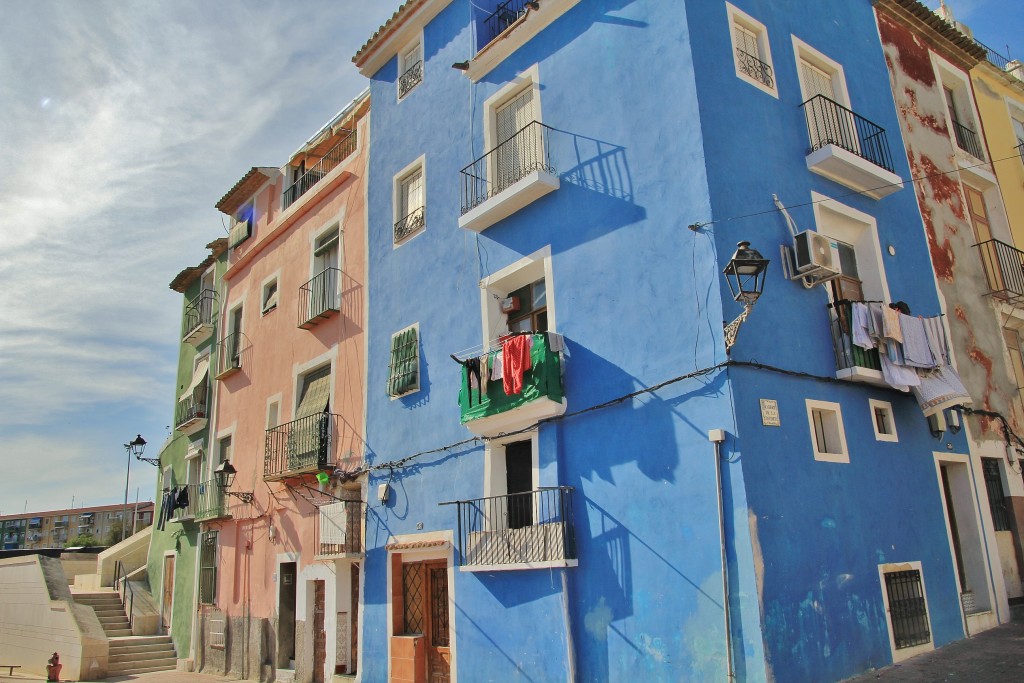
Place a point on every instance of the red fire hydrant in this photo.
(53, 667)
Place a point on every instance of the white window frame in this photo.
(907, 652)
(495, 469)
(876, 405)
(836, 411)
(525, 271)
(397, 194)
(802, 52)
(299, 372)
(530, 78)
(315, 246)
(739, 18)
(404, 64)
(949, 76)
(846, 224)
(272, 403)
(275, 281)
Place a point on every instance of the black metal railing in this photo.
(967, 140)
(1004, 269)
(506, 14)
(327, 163)
(186, 511)
(300, 446)
(199, 312)
(830, 123)
(412, 76)
(353, 531)
(319, 297)
(189, 409)
(994, 57)
(752, 66)
(908, 611)
(410, 224)
(996, 497)
(848, 354)
(230, 357)
(124, 588)
(210, 501)
(506, 164)
(518, 528)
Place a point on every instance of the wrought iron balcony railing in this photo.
(506, 14)
(848, 354)
(198, 313)
(327, 163)
(209, 501)
(967, 140)
(752, 66)
(830, 123)
(229, 359)
(506, 164)
(352, 520)
(412, 223)
(301, 446)
(994, 57)
(531, 528)
(412, 76)
(190, 409)
(319, 297)
(1004, 270)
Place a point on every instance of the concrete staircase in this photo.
(129, 654)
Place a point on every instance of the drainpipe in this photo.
(570, 646)
(717, 436)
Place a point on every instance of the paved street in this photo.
(995, 656)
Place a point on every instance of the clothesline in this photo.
(842, 302)
(493, 345)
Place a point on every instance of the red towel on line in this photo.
(516, 355)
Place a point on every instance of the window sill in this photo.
(513, 198)
(551, 564)
(862, 376)
(858, 174)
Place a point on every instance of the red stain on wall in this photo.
(912, 56)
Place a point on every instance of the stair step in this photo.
(143, 667)
(117, 632)
(140, 649)
(134, 641)
(164, 653)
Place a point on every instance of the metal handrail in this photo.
(189, 409)
(410, 224)
(198, 312)
(754, 67)
(506, 14)
(967, 140)
(124, 587)
(1004, 269)
(830, 123)
(509, 162)
(210, 502)
(412, 76)
(327, 163)
(299, 446)
(319, 296)
(230, 356)
(994, 57)
(353, 531)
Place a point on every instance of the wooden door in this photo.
(286, 615)
(167, 601)
(319, 633)
(353, 658)
(983, 233)
(439, 658)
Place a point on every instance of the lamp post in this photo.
(135, 448)
(745, 274)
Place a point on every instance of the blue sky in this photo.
(122, 124)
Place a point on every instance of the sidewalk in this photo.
(155, 677)
(995, 656)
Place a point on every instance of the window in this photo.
(518, 145)
(409, 202)
(962, 118)
(519, 298)
(1018, 131)
(319, 297)
(269, 297)
(224, 449)
(273, 414)
(822, 88)
(751, 51)
(828, 438)
(510, 479)
(233, 342)
(410, 68)
(241, 226)
(1013, 346)
(208, 568)
(882, 420)
(404, 372)
(907, 605)
(528, 309)
(996, 497)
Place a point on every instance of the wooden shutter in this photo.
(405, 363)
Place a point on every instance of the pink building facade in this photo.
(289, 417)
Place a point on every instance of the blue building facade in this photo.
(565, 181)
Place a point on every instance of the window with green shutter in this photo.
(208, 568)
(404, 375)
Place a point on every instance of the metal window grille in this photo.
(908, 612)
(208, 568)
(439, 606)
(403, 377)
(412, 76)
(748, 57)
(996, 499)
(413, 576)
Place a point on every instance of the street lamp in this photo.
(225, 475)
(135, 447)
(745, 274)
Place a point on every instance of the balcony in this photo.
(504, 16)
(300, 447)
(327, 163)
(187, 512)
(191, 412)
(411, 224)
(410, 79)
(852, 362)
(509, 177)
(968, 140)
(848, 149)
(531, 530)
(542, 396)
(998, 60)
(341, 530)
(752, 66)
(319, 298)
(198, 320)
(229, 359)
(1004, 270)
(208, 502)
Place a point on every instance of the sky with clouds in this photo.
(122, 123)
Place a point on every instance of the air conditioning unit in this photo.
(814, 253)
